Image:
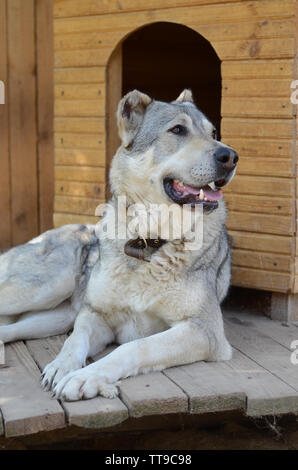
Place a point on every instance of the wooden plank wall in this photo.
(27, 163)
(255, 41)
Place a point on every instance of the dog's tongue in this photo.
(212, 195)
(208, 192)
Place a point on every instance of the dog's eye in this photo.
(178, 130)
(214, 134)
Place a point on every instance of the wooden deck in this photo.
(259, 380)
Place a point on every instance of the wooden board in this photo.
(259, 204)
(234, 385)
(96, 413)
(85, 75)
(219, 32)
(79, 108)
(261, 185)
(45, 112)
(261, 242)
(264, 261)
(25, 407)
(83, 173)
(201, 14)
(64, 219)
(259, 279)
(281, 332)
(259, 347)
(261, 68)
(77, 205)
(66, 140)
(152, 394)
(262, 128)
(80, 91)
(80, 125)
(5, 189)
(74, 188)
(261, 223)
(77, 156)
(70, 8)
(22, 108)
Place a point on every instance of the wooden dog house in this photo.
(239, 57)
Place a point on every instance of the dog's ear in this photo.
(130, 115)
(185, 95)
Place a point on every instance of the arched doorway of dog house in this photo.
(161, 59)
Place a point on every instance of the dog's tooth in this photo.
(201, 194)
(212, 186)
(205, 199)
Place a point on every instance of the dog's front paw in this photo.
(57, 369)
(84, 384)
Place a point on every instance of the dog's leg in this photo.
(33, 325)
(90, 336)
(184, 343)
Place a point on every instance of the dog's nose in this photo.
(226, 158)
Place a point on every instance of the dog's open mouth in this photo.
(182, 193)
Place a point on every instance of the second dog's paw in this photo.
(84, 384)
(58, 369)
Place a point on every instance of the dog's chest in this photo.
(117, 287)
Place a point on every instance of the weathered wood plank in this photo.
(25, 407)
(262, 349)
(96, 413)
(236, 384)
(23, 132)
(282, 333)
(45, 111)
(210, 387)
(5, 189)
(152, 394)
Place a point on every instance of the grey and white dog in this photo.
(163, 313)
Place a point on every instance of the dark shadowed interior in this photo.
(164, 58)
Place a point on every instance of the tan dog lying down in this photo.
(163, 308)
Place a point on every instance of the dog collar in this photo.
(138, 247)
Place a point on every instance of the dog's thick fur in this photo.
(163, 313)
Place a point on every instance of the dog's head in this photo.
(169, 153)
